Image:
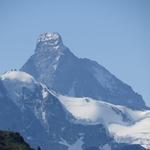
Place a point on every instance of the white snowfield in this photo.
(14, 81)
(18, 77)
(126, 125)
(136, 133)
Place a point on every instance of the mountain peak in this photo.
(52, 39)
(56, 66)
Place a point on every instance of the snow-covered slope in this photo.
(17, 82)
(87, 110)
(139, 132)
(31, 109)
(19, 79)
(49, 120)
(126, 125)
(18, 76)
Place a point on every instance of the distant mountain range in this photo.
(60, 102)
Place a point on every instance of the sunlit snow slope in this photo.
(124, 124)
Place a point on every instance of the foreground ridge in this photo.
(12, 141)
(50, 120)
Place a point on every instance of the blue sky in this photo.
(114, 33)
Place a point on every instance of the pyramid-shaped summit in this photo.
(57, 67)
(52, 40)
(49, 36)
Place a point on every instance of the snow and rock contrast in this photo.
(125, 124)
(49, 120)
(139, 132)
(52, 40)
(61, 102)
(31, 109)
(56, 66)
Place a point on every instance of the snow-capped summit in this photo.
(49, 36)
(51, 39)
(56, 66)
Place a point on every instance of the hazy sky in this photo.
(115, 33)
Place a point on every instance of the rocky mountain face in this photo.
(56, 66)
(12, 141)
(61, 102)
(30, 108)
(39, 116)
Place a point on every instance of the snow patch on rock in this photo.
(75, 146)
(18, 76)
